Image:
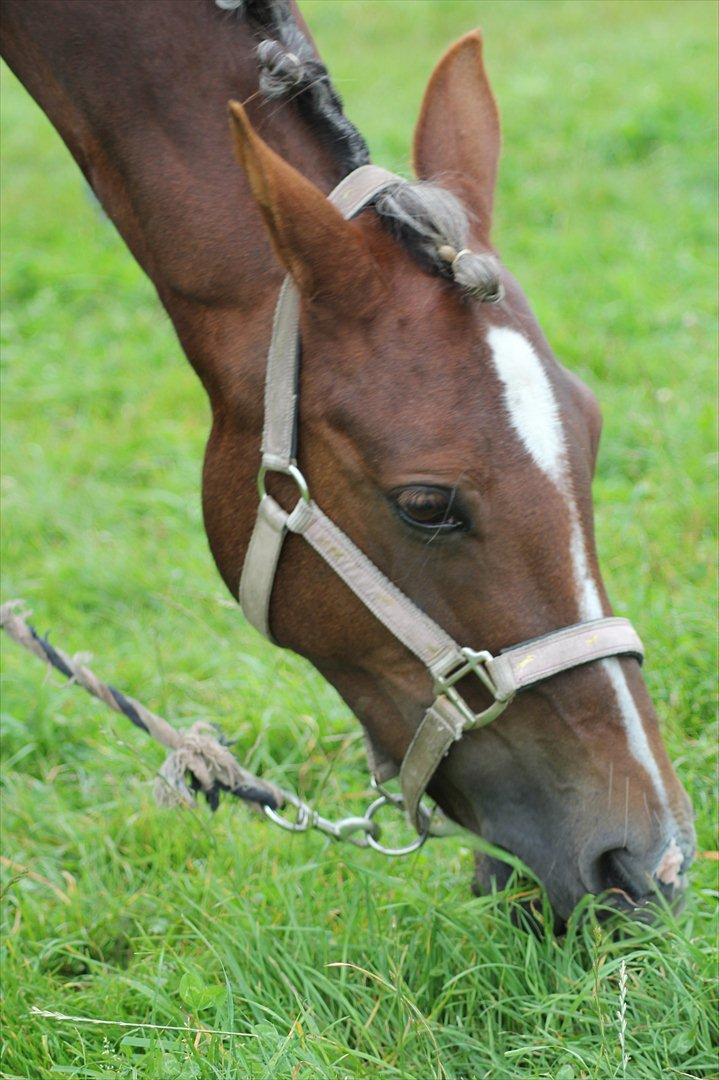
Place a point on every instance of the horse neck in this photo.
(138, 91)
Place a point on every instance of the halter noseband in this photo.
(448, 663)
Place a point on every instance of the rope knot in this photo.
(201, 755)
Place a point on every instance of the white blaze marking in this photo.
(636, 735)
(590, 602)
(534, 414)
(530, 402)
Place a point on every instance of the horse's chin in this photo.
(528, 909)
(490, 874)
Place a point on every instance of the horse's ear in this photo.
(456, 141)
(325, 254)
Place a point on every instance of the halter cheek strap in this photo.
(448, 663)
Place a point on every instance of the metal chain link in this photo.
(361, 831)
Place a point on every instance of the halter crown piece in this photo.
(448, 663)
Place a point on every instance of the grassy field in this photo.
(295, 957)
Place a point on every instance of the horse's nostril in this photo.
(617, 870)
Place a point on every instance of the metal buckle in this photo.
(286, 470)
(472, 662)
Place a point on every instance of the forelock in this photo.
(435, 226)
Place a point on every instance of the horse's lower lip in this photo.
(493, 874)
(644, 908)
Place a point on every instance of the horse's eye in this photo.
(432, 508)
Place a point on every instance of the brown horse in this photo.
(437, 427)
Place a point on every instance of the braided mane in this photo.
(427, 219)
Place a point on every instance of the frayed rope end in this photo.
(211, 769)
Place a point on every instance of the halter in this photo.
(448, 663)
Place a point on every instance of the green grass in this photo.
(337, 963)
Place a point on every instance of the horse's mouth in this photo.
(530, 910)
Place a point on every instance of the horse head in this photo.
(437, 428)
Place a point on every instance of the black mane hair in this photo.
(289, 66)
(429, 221)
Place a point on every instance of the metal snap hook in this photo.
(304, 818)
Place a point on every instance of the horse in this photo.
(434, 424)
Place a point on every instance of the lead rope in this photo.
(200, 755)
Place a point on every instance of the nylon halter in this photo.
(448, 663)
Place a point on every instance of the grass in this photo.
(334, 962)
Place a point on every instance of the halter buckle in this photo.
(473, 662)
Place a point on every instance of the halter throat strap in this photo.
(448, 663)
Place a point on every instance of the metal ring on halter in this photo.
(397, 802)
(287, 470)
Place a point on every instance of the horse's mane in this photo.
(289, 67)
(427, 219)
